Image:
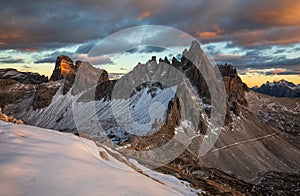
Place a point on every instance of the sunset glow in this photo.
(250, 35)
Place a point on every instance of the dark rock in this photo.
(44, 94)
(85, 74)
(153, 58)
(165, 60)
(16, 95)
(22, 77)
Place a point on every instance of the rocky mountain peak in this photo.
(64, 68)
(84, 73)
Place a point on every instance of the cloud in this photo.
(96, 60)
(45, 60)
(114, 76)
(10, 60)
(23, 26)
(268, 72)
(123, 69)
(146, 49)
(144, 14)
(27, 67)
(85, 48)
(50, 58)
(289, 73)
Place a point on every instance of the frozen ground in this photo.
(35, 161)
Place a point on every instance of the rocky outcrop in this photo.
(86, 75)
(282, 88)
(9, 118)
(22, 77)
(64, 68)
(44, 94)
(13, 93)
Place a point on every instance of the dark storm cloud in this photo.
(48, 24)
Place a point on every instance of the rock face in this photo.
(281, 88)
(64, 68)
(22, 77)
(44, 94)
(85, 74)
(13, 93)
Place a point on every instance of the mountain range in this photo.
(281, 88)
(257, 151)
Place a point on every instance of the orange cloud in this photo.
(29, 50)
(286, 13)
(207, 34)
(184, 35)
(210, 34)
(145, 14)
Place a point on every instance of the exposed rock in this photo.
(282, 113)
(86, 75)
(104, 155)
(235, 88)
(44, 94)
(153, 58)
(9, 118)
(165, 60)
(64, 69)
(15, 95)
(22, 77)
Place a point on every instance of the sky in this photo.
(261, 38)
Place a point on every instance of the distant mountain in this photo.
(282, 88)
(22, 77)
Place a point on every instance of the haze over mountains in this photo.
(259, 141)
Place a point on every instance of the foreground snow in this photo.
(35, 161)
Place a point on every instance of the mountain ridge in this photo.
(251, 131)
(281, 88)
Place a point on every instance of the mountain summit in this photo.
(281, 88)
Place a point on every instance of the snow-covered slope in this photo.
(35, 161)
(59, 115)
